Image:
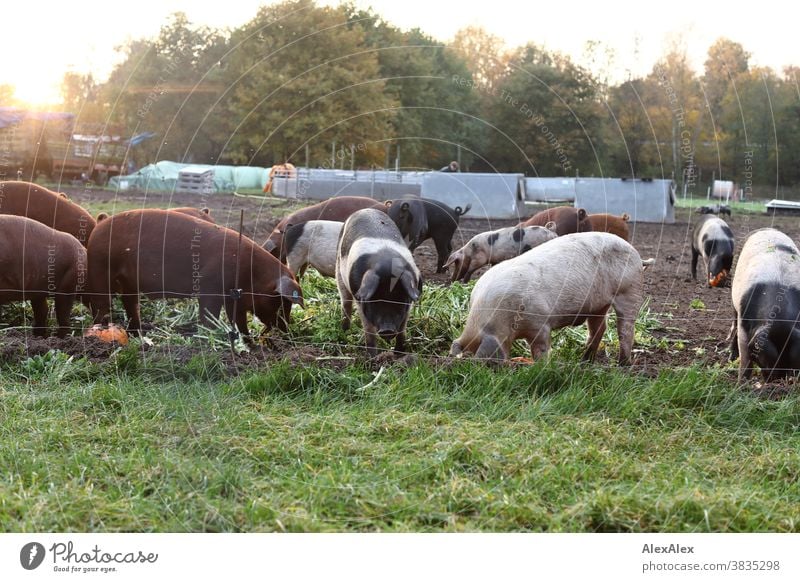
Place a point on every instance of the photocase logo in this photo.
(31, 555)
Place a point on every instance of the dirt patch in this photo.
(18, 345)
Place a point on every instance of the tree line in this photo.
(339, 86)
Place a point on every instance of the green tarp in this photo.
(163, 176)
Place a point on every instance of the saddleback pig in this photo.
(712, 239)
(336, 209)
(311, 243)
(375, 269)
(766, 298)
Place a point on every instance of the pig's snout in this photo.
(719, 279)
(387, 333)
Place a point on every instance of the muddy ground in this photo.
(696, 319)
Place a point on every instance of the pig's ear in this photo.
(102, 216)
(456, 256)
(581, 213)
(388, 203)
(625, 216)
(289, 289)
(369, 284)
(206, 211)
(407, 281)
(551, 226)
(404, 207)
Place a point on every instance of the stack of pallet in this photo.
(196, 180)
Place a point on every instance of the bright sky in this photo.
(42, 40)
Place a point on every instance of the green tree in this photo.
(546, 117)
(81, 95)
(171, 85)
(726, 61)
(299, 74)
(436, 111)
(632, 143)
(749, 111)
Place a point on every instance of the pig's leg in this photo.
(131, 304)
(101, 308)
(695, 256)
(209, 305)
(63, 311)
(400, 342)
(442, 251)
(40, 311)
(597, 327)
(241, 324)
(744, 354)
(347, 308)
(371, 340)
(284, 315)
(627, 308)
(734, 342)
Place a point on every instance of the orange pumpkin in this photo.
(111, 333)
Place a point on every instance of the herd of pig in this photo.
(561, 267)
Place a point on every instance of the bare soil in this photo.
(696, 319)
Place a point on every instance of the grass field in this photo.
(146, 441)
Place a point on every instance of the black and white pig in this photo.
(419, 220)
(712, 239)
(496, 246)
(766, 299)
(311, 243)
(572, 279)
(375, 268)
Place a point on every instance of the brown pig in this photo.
(568, 219)
(617, 225)
(164, 254)
(337, 209)
(38, 262)
(50, 208)
(201, 213)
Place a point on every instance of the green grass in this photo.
(754, 206)
(152, 443)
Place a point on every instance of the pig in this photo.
(52, 209)
(375, 268)
(164, 254)
(311, 243)
(496, 246)
(617, 225)
(336, 209)
(716, 209)
(712, 239)
(201, 213)
(568, 219)
(38, 262)
(564, 282)
(766, 299)
(419, 220)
